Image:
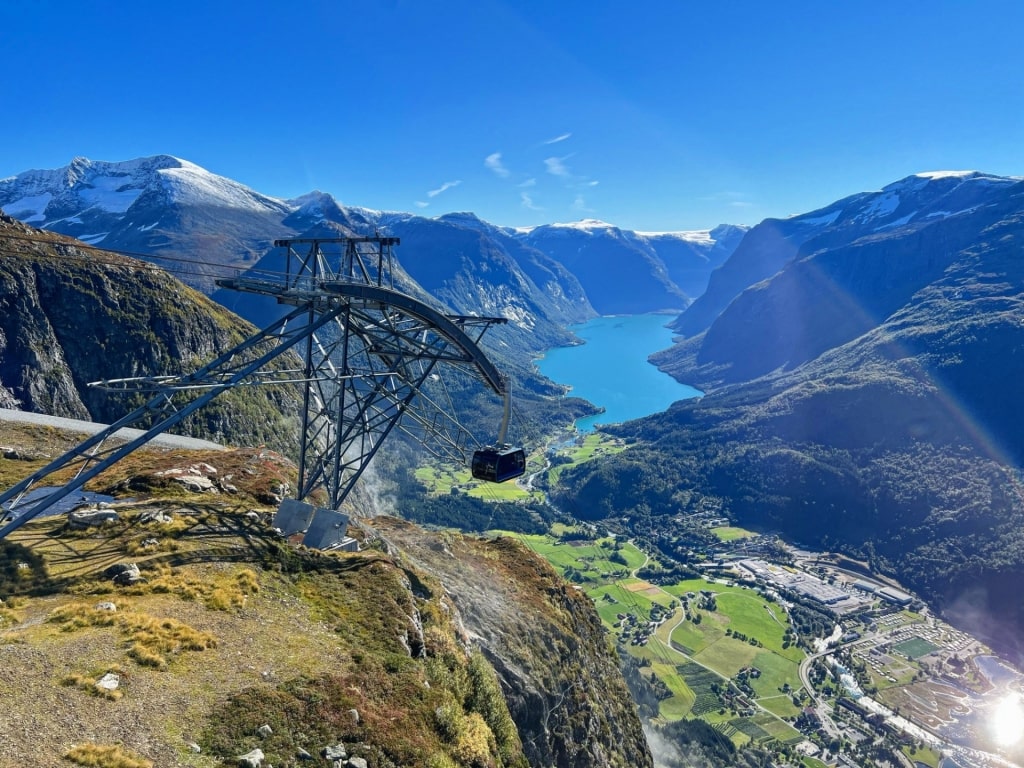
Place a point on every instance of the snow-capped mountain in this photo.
(626, 272)
(93, 200)
(797, 288)
(197, 224)
(910, 203)
(160, 206)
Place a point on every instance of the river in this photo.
(611, 370)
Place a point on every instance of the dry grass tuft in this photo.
(105, 756)
(150, 640)
(221, 592)
(87, 683)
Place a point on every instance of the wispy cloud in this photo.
(531, 182)
(557, 139)
(421, 204)
(493, 162)
(444, 187)
(579, 204)
(528, 203)
(556, 166)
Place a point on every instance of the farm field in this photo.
(693, 648)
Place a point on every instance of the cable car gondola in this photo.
(499, 463)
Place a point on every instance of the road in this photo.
(821, 707)
(91, 428)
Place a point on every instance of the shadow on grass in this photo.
(54, 559)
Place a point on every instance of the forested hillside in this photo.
(877, 412)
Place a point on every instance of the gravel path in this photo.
(88, 427)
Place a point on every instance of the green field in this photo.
(593, 444)
(440, 480)
(592, 560)
(915, 648)
(732, 533)
(701, 653)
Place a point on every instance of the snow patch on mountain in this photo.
(897, 222)
(882, 205)
(697, 237)
(584, 225)
(824, 220)
(29, 209)
(189, 184)
(109, 193)
(947, 174)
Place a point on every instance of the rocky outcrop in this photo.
(70, 315)
(545, 640)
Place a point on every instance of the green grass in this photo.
(924, 755)
(683, 697)
(440, 480)
(749, 614)
(715, 654)
(594, 444)
(727, 656)
(780, 705)
(732, 533)
(775, 728)
(915, 648)
(776, 671)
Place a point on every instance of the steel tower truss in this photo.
(369, 360)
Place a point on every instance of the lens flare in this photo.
(1007, 721)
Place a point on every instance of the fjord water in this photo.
(611, 369)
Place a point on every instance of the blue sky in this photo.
(650, 115)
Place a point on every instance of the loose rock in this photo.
(109, 682)
(337, 752)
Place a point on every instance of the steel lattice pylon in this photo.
(368, 353)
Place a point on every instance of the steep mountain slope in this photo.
(620, 273)
(69, 316)
(914, 201)
(875, 409)
(234, 640)
(690, 257)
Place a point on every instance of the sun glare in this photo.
(1007, 722)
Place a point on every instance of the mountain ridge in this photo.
(170, 208)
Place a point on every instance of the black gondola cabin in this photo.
(498, 463)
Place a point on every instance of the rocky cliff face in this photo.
(560, 678)
(71, 315)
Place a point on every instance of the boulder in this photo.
(109, 682)
(124, 574)
(264, 731)
(155, 516)
(337, 752)
(91, 516)
(252, 759)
